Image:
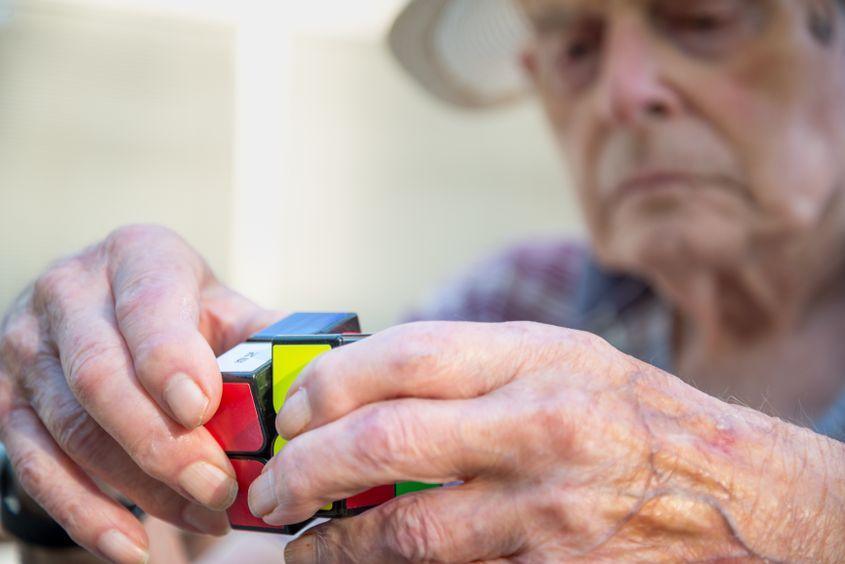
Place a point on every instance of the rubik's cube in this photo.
(256, 377)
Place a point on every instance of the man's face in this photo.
(699, 132)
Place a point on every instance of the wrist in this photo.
(784, 491)
(799, 510)
(742, 482)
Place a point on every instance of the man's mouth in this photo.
(666, 182)
(653, 181)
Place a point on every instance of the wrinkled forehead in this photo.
(780, 17)
(539, 10)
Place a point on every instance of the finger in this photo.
(462, 524)
(99, 372)
(428, 360)
(101, 457)
(91, 518)
(156, 280)
(409, 439)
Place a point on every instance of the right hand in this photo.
(107, 374)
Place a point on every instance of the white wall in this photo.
(305, 166)
(109, 117)
(386, 192)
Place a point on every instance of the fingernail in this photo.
(205, 520)
(185, 400)
(301, 551)
(295, 415)
(262, 494)
(209, 485)
(117, 547)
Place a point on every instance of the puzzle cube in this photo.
(256, 377)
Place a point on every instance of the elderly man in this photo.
(705, 138)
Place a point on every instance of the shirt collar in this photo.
(604, 291)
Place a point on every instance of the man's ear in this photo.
(528, 62)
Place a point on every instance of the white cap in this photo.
(463, 51)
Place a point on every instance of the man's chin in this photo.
(673, 244)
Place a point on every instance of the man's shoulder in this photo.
(535, 280)
(544, 257)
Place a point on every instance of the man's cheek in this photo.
(578, 150)
(786, 156)
(593, 210)
(794, 181)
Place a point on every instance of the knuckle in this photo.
(324, 388)
(584, 341)
(319, 373)
(133, 235)
(549, 414)
(384, 438)
(575, 348)
(63, 291)
(554, 512)
(176, 256)
(549, 425)
(134, 294)
(522, 326)
(589, 340)
(32, 474)
(137, 292)
(592, 354)
(326, 548)
(158, 352)
(79, 434)
(415, 348)
(15, 413)
(334, 542)
(52, 286)
(6, 406)
(413, 532)
(19, 340)
(295, 486)
(150, 454)
(88, 364)
(73, 514)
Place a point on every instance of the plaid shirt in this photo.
(558, 283)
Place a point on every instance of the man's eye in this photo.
(708, 28)
(699, 23)
(584, 42)
(569, 49)
(579, 49)
(578, 57)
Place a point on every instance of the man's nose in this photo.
(631, 88)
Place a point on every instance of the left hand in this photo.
(567, 449)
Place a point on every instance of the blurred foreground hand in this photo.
(107, 374)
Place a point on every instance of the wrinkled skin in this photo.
(87, 355)
(567, 449)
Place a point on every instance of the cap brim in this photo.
(465, 52)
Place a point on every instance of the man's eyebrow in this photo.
(550, 18)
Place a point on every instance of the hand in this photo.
(107, 373)
(567, 449)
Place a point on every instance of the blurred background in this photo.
(278, 137)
